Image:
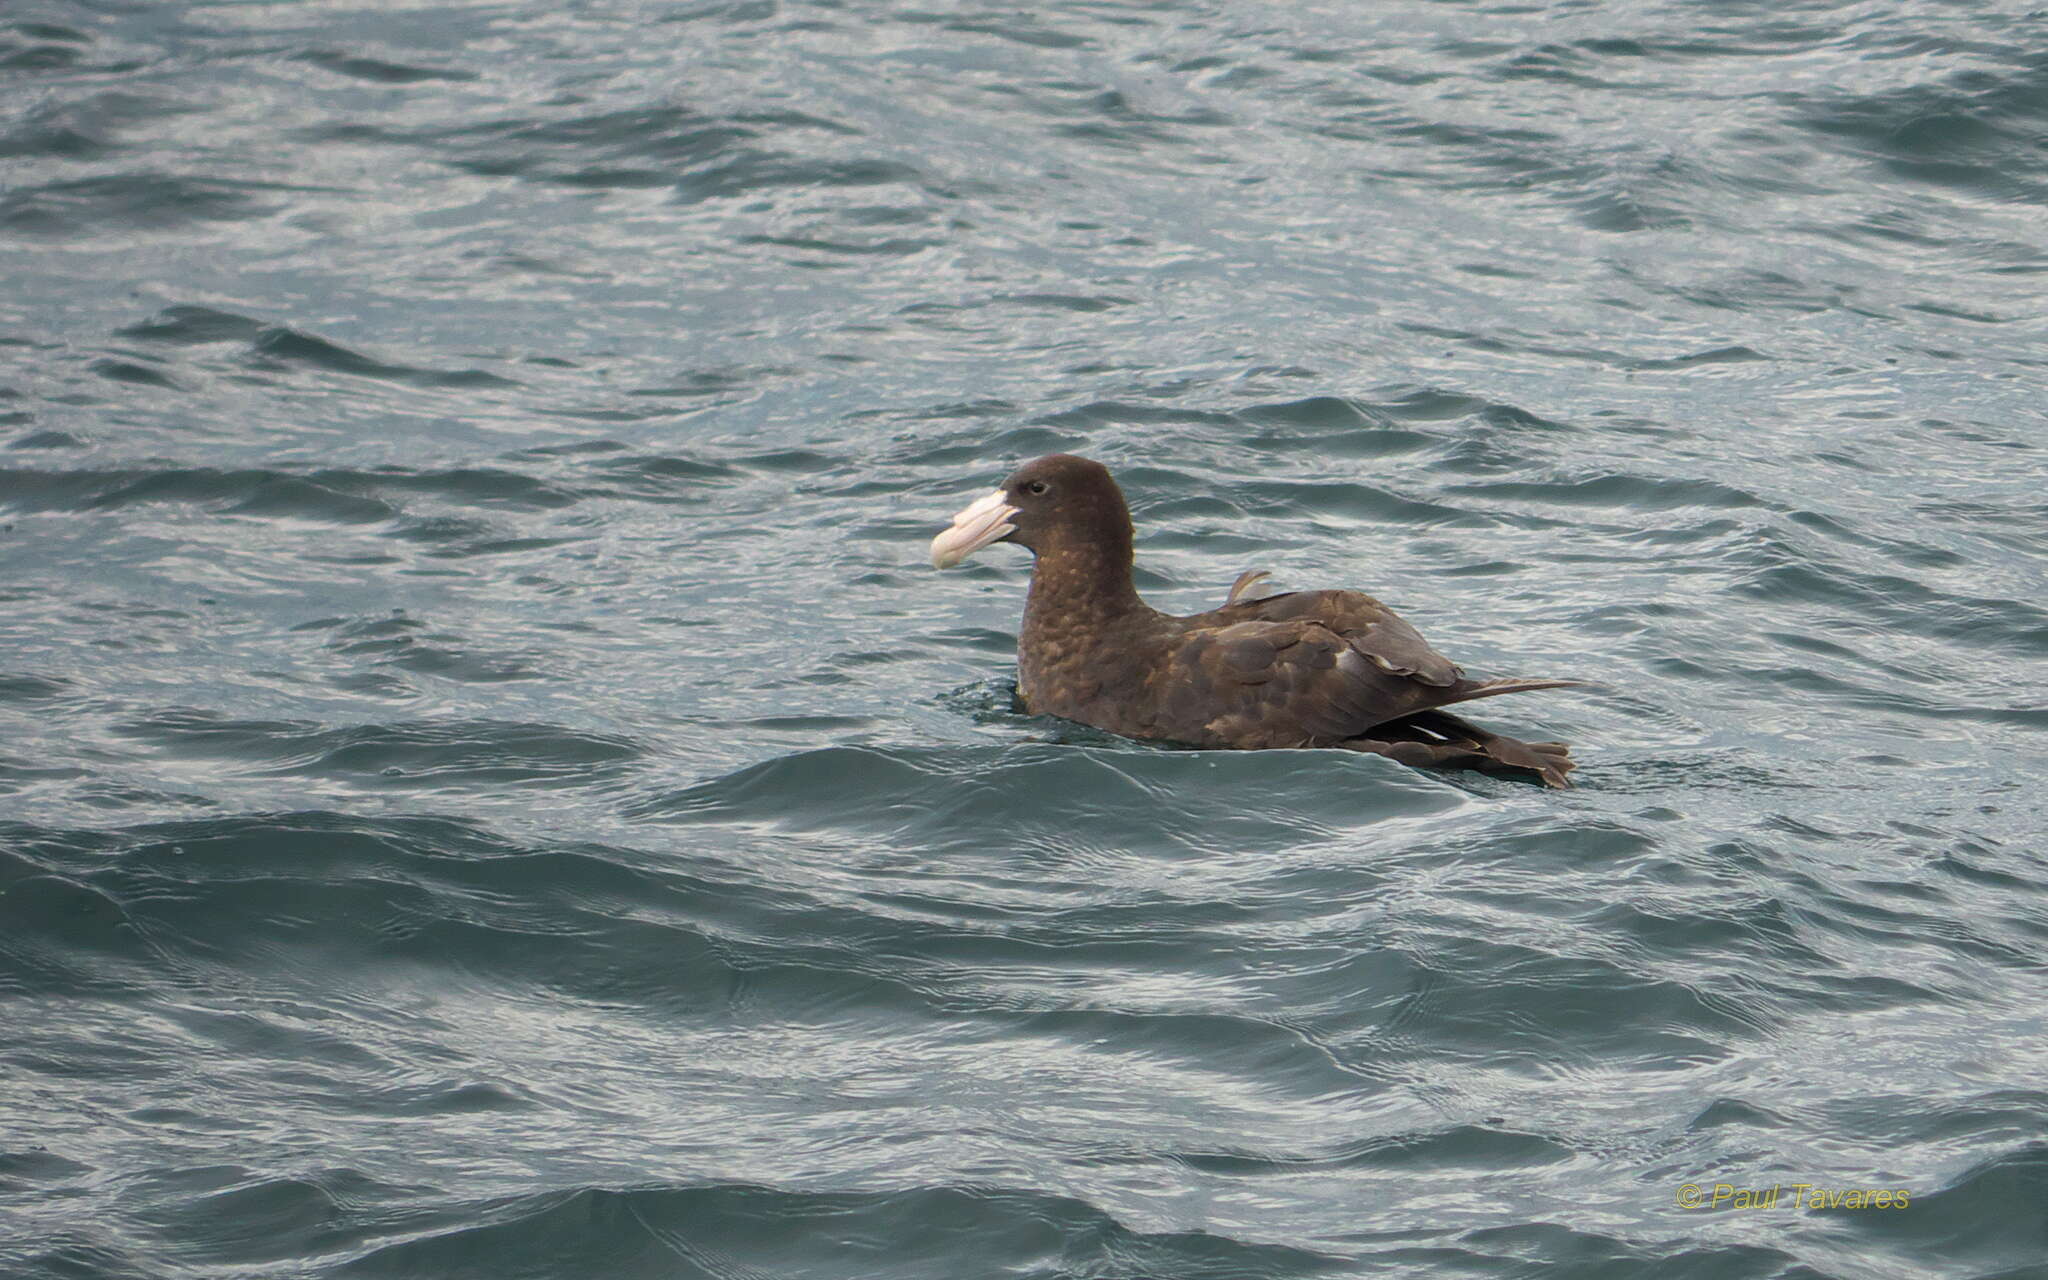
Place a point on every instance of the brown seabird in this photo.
(1300, 669)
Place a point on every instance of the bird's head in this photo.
(1046, 504)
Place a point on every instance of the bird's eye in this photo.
(1037, 486)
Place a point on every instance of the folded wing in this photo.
(1306, 669)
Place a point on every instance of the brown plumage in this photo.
(1299, 669)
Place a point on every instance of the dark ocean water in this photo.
(490, 787)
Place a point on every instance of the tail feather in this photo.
(1455, 742)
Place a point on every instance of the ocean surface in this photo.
(490, 785)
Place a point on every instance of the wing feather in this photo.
(1309, 668)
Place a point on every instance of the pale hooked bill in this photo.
(979, 523)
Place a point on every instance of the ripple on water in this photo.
(985, 800)
(960, 1229)
(400, 754)
(134, 202)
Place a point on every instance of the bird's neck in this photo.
(1085, 585)
(1085, 630)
